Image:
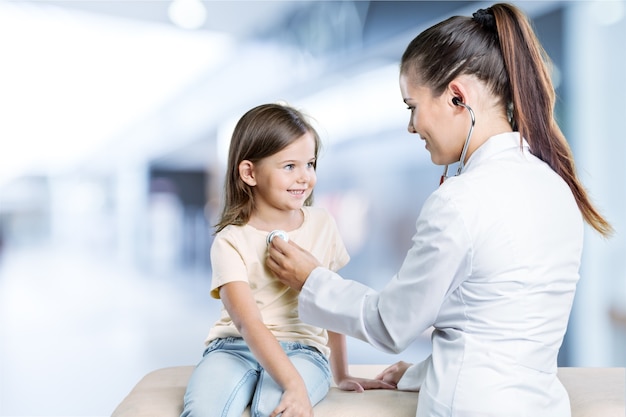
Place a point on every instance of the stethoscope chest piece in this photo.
(280, 233)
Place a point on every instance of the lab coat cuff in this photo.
(313, 281)
(414, 376)
(323, 302)
(309, 309)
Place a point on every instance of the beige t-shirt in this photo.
(238, 253)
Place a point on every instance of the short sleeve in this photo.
(340, 253)
(321, 237)
(227, 264)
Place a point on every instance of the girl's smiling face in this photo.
(283, 181)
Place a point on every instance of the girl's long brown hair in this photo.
(261, 132)
(499, 47)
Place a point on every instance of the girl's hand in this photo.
(393, 373)
(350, 383)
(294, 403)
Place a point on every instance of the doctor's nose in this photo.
(411, 128)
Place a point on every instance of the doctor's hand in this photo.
(350, 383)
(393, 373)
(291, 264)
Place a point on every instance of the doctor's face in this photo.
(431, 120)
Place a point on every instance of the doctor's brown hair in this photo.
(261, 132)
(499, 47)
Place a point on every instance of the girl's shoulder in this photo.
(318, 218)
(315, 213)
(234, 233)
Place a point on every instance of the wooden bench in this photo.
(594, 392)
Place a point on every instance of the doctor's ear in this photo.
(246, 172)
(456, 92)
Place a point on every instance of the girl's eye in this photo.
(311, 165)
(289, 167)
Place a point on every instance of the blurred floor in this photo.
(77, 331)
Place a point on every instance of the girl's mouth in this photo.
(297, 192)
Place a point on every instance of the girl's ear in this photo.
(246, 172)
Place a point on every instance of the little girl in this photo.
(259, 353)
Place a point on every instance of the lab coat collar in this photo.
(494, 145)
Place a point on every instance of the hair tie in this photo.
(486, 19)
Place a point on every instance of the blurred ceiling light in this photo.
(358, 106)
(607, 13)
(72, 92)
(361, 105)
(187, 14)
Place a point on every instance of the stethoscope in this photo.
(457, 102)
(276, 233)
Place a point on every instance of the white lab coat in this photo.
(493, 267)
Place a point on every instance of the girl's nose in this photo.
(305, 175)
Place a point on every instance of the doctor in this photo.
(495, 257)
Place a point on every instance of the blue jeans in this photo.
(228, 379)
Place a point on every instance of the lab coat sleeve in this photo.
(343, 306)
(391, 319)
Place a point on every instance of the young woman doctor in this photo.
(495, 257)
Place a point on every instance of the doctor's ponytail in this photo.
(532, 99)
(498, 46)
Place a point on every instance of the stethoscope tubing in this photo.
(465, 145)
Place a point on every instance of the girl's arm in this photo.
(241, 306)
(339, 366)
